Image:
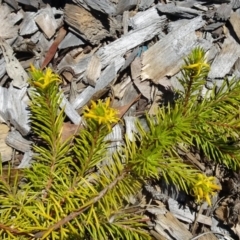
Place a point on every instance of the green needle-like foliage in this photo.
(69, 192)
(76, 189)
(215, 128)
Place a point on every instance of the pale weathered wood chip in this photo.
(145, 18)
(223, 12)
(2, 68)
(46, 22)
(130, 40)
(125, 5)
(166, 56)
(130, 57)
(225, 60)
(144, 4)
(70, 40)
(16, 141)
(107, 76)
(93, 70)
(234, 21)
(213, 26)
(28, 25)
(7, 28)
(186, 214)
(27, 160)
(103, 6)
(176, 11)
(5, 150)
(77, 68)
(70, 111)
(14, 69)
(125, 20)
(33, 3)
(235, 4)
(168, 223)
(14, 109)
(120, 88)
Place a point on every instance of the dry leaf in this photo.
(69, 130)
(123, 109)
(143, 87)
(222, 212)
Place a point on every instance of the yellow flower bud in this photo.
(41, 79)
(204, 188)
(102, 113)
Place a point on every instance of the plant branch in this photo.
(14, 230)
(74, 214)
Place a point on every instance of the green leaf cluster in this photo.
(75, 189)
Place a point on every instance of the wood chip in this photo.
(186, 214)
(28, 25)
(223, 12)
(176, 11)
(16, 141)
(125, 5)
(52, 50)
(107, 76)
(46, 22)
(85, 24)
(70, 111)
(234, 21)
(136, 68)
(5, 150)
(70, 40)
(93, 70)
(166, 56)
(139, 20)
(168, 223)
(120, 88)
(103, 6)
(145, 4)
(224, 61)
(13, 108)
(13, 67)
(7, 30)
(130, 40)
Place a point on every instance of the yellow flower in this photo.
(196, 63)
(204, 188)
(42, 79)
(102, 113)
(196, 68)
